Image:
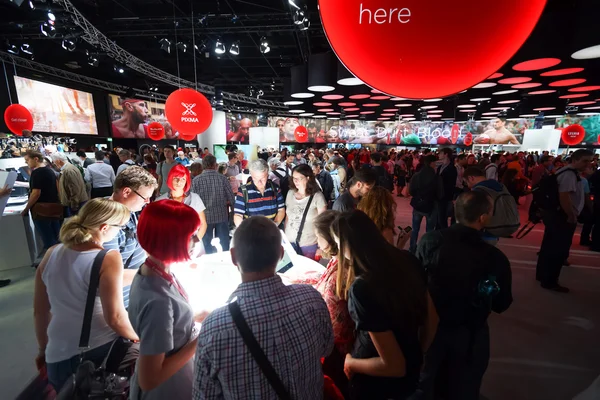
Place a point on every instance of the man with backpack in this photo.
(384, 179)
(505, 219)
(560, 198)
(491, 170)
(465, 290)
(425, 189)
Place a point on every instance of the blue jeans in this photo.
(220, 230)
(48, 230)
(430, 222)
(59, 372)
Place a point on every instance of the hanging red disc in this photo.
(188, 112)
(573, 134)
(454, 133)
(18, 118)
(156, 131)
(301, 134)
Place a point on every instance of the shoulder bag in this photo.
(109, 381)
(257, 352)
(296, 244)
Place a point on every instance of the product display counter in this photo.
(19, 245)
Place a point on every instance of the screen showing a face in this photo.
(220, 152)
(130, 117)
(238, 127)
(57, 109)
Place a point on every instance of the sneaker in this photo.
(4, 282)
(556, 288)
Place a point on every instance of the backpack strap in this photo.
(244, 190)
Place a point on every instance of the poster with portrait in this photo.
(591, 125)
(238, 127)
(130, 117)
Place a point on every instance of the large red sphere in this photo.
(156, 131)
(18, 118)
(188, 112)
(426, 48)
(573, 134)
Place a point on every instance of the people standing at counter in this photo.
(303, 203)
(179, 182)
(72, 191)
(133, 189)
(61, 286)
(159, 309)
(101, 176)
(290, 324)
(261, 197)
(43, 202)
(85, 161)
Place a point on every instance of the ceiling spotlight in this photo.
(68, 45)
(234, 18)
(299, 17)
(202, 20)
(273, 84)
(26, 48)
(235, 48)
(293, 4)
(119, 69)
(51, 16)
(165, 44)
(264, 45)
(31, 5)
(12, 49)
(219, 47)
(200, 48)
(48, 29)
(182, 46)
(93, 61)
(305, 24)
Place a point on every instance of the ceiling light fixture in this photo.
(264, 45)
(26, 48)
(587, 53)
(299, 16)
(305, 24)
(182, 46)
(219, 47)
(31, 5)
(12, 49)
(93, 61)
(293, 4)
(235, 48)
(119, 69)
(165, 44)
(68, 45)
(47, 29)
(51, 16)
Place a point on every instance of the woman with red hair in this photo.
(179, 182)
(159, 310)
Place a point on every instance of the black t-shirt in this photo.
(369, 316)
(44, 178)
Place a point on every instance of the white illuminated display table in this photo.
(210, 279)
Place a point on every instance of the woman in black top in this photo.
(46, 210)
(389, 303)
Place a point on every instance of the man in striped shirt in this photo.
(261, 197)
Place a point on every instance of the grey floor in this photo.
(545, 347)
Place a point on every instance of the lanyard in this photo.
(168, 277)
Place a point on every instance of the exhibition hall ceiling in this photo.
(260, 42)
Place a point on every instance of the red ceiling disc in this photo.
(526, 85)
(582, 103)
(584, 88)
(360, 31)
(380, 97)
(544, 109)
(359, 96)
(496, 75)
(346, 104)
(564, 71)
(352, 109)
(542, 92)
(567, 82)
(539, 63)
(371, 105)
(367, 112)
(574, 96)
(512, 81)
(325, 109)
(332, 97)
(321, 104)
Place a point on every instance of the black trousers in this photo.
(455, 364)
(558, 236)
(444, 211)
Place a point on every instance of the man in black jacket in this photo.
(383, 178)
(468, 279)
(426, 189)
(324, 178)
(448, 172)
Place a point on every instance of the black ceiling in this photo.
(137, 26)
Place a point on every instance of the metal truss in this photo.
(70, 76)
(97, 39)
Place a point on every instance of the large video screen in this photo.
(494, 131)
(220, 152)
(57, 109)
(238, 127)
(591, 124)
(130, 117)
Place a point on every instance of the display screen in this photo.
(130, 117)
(219, 151)
(591, 124)
(238, 127)
(57, 109)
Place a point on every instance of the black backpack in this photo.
(545, 193)
(384, 179)
(284, 182)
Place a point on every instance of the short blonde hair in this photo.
(96, 212)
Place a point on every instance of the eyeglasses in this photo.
(146, 200)
(118, 226)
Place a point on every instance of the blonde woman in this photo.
(61, 286)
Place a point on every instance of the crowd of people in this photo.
(381, 322)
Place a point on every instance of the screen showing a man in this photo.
(497, 134)
(289, 126)
(240, 131)
(131, 125)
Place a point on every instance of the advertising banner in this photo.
(591, 127)
(238, 127)
(130, 118)
(443, 133)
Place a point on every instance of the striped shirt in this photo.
(265, 205)
(292, 326)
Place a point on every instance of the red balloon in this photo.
(156, 131)
(301, 134)
(468, 140)
(455, 133)
(360, 31)
(573, 134)
(18, 118)
(188, 112)
(187, 137)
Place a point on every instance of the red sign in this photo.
(455, 133)
(389, 45)
(573, 134)
(468, 140)
(187, 137)
(156, 131)
(188, 112)
(18, 118)
(301, 134)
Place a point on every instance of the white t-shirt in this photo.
(295, 211)
(192, 200)
(568, 182)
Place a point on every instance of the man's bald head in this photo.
(245, 125)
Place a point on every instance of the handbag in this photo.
(296, 244)
(110, 381)
(257, 353)
(47, 210)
